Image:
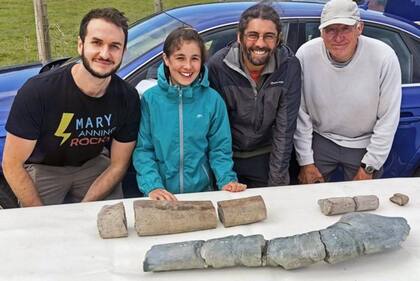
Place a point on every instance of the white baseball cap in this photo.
(339, 12)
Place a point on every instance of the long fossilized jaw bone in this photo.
(355, 234)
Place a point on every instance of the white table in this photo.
(62, 242)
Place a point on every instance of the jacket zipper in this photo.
(208, 177)
(181, 144)
(254, 89)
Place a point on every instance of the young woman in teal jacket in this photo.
(184, 131)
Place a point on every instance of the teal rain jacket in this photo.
(184, 135)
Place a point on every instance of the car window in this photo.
(147, 34)
(414, 45)
(394, 40)
(390, 37)
(219, 39)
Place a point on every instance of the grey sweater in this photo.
(356, 106)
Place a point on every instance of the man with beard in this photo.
(62, 122)
(260, 81)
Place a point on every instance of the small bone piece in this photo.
(366, 202)
(166, 217)
(399, 199)
(337, 205)
(241, 211)
(112, 222)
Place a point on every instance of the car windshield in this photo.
(147, 34)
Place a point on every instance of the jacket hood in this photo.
(187, 91)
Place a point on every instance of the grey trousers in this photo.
(69, 184)
(329, 156)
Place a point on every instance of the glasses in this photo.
(335, 31)
(267, 37)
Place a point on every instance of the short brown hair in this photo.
(111, 15)
(259, 11)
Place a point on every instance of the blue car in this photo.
(217, 24)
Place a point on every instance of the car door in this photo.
(405, 155)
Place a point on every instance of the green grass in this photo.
(17, 24)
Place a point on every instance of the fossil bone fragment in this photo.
(399, 199)
(295, 251)
(165, 217)
(242, 211)
(342, 205)
(354, 235)
(234, 250)
(112, 222)
(337, 205)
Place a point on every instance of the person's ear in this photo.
(238, 38)
(279, 38)
(79, 45)
(360, 27)
(165, 59)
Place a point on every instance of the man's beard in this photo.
(86, 64)
(257, 61)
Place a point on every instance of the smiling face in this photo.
(341, 40)
(184, 63)
(258, 41)
(102, 49)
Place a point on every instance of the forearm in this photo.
(279, 170)
(388, 117)
(280, 156)
(379, 148)
(146, 166)
(285, 127)
(22, 185)
(104, 184)
(303, 139)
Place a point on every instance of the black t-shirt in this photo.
(71, 127)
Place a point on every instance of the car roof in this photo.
(205, 16)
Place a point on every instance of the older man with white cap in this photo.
(351, 95)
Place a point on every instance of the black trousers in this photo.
(253, 171)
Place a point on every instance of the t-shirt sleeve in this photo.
(130, 126)
(25, 117)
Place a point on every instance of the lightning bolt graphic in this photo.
(64, 123)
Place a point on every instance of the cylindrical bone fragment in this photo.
(399, 199)
(295, 251)
(366, 202)
(165, 217)
(174, 256)
(235, 250)
(242, 211)
(337, 205)
(112, 222)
